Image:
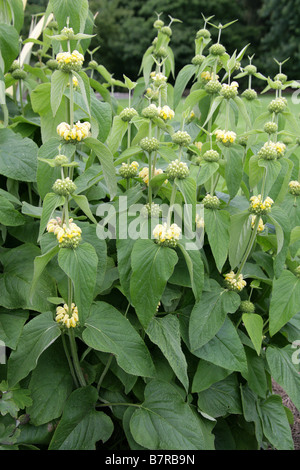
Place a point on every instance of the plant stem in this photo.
(5, 114)
(250, 245)
(71, 99)
(21, 97)
(76, 363)
(172, 201)
(69, 360)
(149, 178)
(104, 371)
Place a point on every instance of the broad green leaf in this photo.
(50, 385)
(75, 10)
(240, 233)
(11, 326)
(234, 169)
(225, 349)
(108, 330)
(285, 300)
(207, 170)
(182, 80)
(9, 216)
(81, 426)
(9, 45)
(207, 374)
(250, 405)
(40, 263)
(193, 98)
(15, 281)
(208, 315)
(38, 335)
(275, 424)
(272, 169)
(83, 203)
(166, 422)
(101, 111)
(80, 264)
(59, 82)
(256, 374)
(196, 269)
(221, 398)
(51, 202)
(18, 156)
(284, 372)
(106, 159)
(152, 266)
(165, 332)
(254, 326)
(217, 223)
(85, 90)
(118, 130)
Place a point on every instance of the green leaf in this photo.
(193, 98)
(272, 169)
(106, 159)
(207, 374)
(165, 332)
(38, 334)
(9, 216)
(118, 130)
(207, 170)
(83, 203)
(9, 44)
(81, 426)
(225, 349)
(40, 263)
(152, 266)
(275, 424)
(75, 10)
(166, 421)
(196, 269)
(254, 326)
(182, 80)
(11, 326)
(221, 398)
(217, 223)
(59, 82)
(285, 300)
(234, 169)
(18, 156)
(50, 385)
(284, 371)
(80, 265)
(108, 330)
(240, 233)
(208, 315)
(51, 202)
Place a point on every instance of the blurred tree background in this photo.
(124, 30)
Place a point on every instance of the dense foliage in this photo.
(150, 274)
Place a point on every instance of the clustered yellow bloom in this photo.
(158, 78)
(66, 236)
(144, 173)
(234, 282)
(165, 235)
(77, 132)
(261, 225)
(166, 112)
(63, 316)
(257, 206)
(280, 148)
(226, 137)
(198, 145)
(199, 221)
(206, 75)
(68, 61)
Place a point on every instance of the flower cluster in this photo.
(144, 173)
(166, 113)
(127, 114)
(226, 137)
(149, 144)
(206, 76)
(260, 227)
(70, 62)
(270, 127)
(213, 87)
(76, 133)
(229, 91)
(129, 170)
(277, 105)
(181, 138)
(167, 236)
(177, 169)
(294, 188)
(234, 282)
(258, 206)
(249, 94)
(247, 307)
(211, 156)
(150, 210)
(199, 221)
(158, 78)
(63, 315)
(67, 236)
(211, 202)
(64, 187)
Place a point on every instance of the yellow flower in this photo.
(260, 227)
(144, 174)
(198, 145)
(199, 221)
(165, 235)
(226, 137)
(63, 316)
(257, 206)
(166, 112)
(234, 282)
(78, 132)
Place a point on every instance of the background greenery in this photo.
(124, 29)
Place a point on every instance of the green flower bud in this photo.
(151, 111)
(203, 33)
(294, 188)
(277, 105)
(166, 30)
(243, 140)
(150, 210)
(177, 169)
(93, 64)
(229, 91)
(297, 271)
(14, 66)
(249, 94)
(281, 77)
(277, 85)
(158, 24)
(149, 144)
(213, 87)
(217, 49)
(61, 160)
(250, 69)
(127, 114)
(52, 64)
(53, 25)
(161, 53)
(268, 151)
(69, 32)
(64, 187)
(129, 170)
(270, 127)
(211, 202)
(70, 243)
(247, 307)
(181, 138)
(211, 156)
(198, 59)
(19, 74)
